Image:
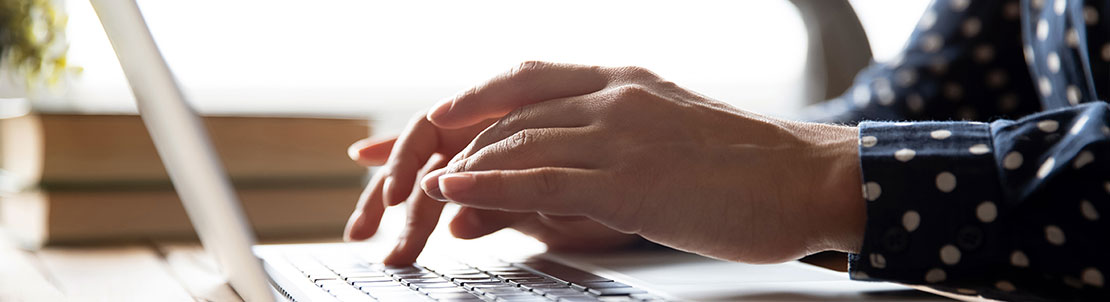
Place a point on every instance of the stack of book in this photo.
(74, 178)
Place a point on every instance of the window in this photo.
(389, 59)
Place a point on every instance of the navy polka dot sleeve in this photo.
(985, 151)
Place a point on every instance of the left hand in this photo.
(642, 155)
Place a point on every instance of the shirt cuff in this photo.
(930, 189)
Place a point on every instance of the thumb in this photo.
(470, 223)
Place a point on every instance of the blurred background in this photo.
(386, 60)
(286, 85)
(289, 84)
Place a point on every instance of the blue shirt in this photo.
(959, 196)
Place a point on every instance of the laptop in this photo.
(502, 267)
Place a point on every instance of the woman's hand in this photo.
(423, 147)
(641, 155)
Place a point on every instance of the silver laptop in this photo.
(498, 268)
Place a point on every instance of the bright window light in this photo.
(389, 59)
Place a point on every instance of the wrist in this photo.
(836, 203)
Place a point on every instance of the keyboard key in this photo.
(526, 282)
(530, 298)
(583, 298)
(369, 279)
(610, 284)
(520, 275)
(376, 290)
(363, 274)
(451, 295)
(562, 272)
(452, 275)
(405, 298)
(462, 271)
(646, 297)
(478, 286)
(402, 269)
(322, 276)
(557, 292)
(414, 275)
(442, 290)
(348, 293)
(618, 291)
(500, 291)
(463, 299)
(475, 280)
(416, 285)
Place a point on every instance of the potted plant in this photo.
(32, 59)
(32, 52)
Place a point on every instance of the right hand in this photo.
(424, 147)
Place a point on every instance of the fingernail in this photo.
(401, 244)
(456, 183)
(430, 184)
(353, 223)
(441, 109)
(387, 191)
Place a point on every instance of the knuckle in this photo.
(527, 68)
(418, 118)
(637, 72)
(509, 122)
(631, 92)
(520, 138)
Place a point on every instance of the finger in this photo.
(528, 148)
(559, 191)
(368, 213)
(578, 234)
(368, 152)
(470, 223)
(409, 154)
(531, 82)
(423, 216)
(558, 113)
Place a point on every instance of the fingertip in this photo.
(389, 192)
(438, 113)
(400, 255)
(356, 228)
(456, 185)
(430, 185)
(354, 151)
(368, 152)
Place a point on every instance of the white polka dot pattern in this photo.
(940, 134)
(911, 220)
(1018, 259)
(904, 155)
(1013, 160)
(949, 254)
(1054, 235)
(986, 212)
(1092, 276)
(1005, 286)
(935, 275)
(1004, 204)
(946, 182)
(1088, 210)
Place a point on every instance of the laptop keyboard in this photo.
(539, 280)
